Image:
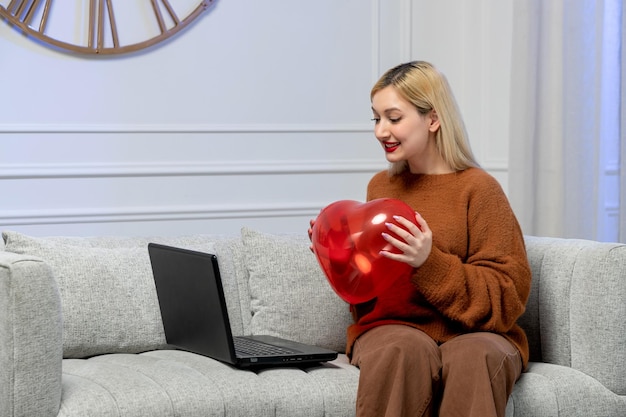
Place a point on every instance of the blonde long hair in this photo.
(421, 84)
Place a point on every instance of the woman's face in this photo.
(403, 132)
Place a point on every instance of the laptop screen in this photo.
(193, 308)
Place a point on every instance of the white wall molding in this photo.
(495, 165)
(162, 213)
(37, 171)
(185, 128)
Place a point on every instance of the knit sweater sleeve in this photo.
(488, 290)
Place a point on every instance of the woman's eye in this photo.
(375, 119)
(395, 120)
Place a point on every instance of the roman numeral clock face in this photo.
(101, 26)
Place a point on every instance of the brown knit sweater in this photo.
(477, 276)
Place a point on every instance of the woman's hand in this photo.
(416, 244)
(310, 232)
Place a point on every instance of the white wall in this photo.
(256, 115)
(470, 41)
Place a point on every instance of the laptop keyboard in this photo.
(249, 347)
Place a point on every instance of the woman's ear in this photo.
(434, 121)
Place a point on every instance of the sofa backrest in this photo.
(272, 285)
(576, 313)
(108, 298)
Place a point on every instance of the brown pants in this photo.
(405, 373)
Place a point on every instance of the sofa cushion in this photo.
(108, 297)
(176, 383)
(290, 296)
(552, 390)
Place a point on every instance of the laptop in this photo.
(195, 317)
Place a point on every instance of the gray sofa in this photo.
(81, 333)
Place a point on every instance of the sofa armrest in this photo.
(599, 317)
(578, 308)
(31, 344)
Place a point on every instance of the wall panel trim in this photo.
(139, 214)
(50, 171)
(85, 170)
(185, 128)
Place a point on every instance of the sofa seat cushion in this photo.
(168, 382)
(554, 390)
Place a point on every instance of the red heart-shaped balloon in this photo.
(347, 240)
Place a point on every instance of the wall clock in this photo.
(102, 27)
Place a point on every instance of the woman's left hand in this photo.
(416, 243)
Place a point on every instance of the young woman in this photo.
(444, 342)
